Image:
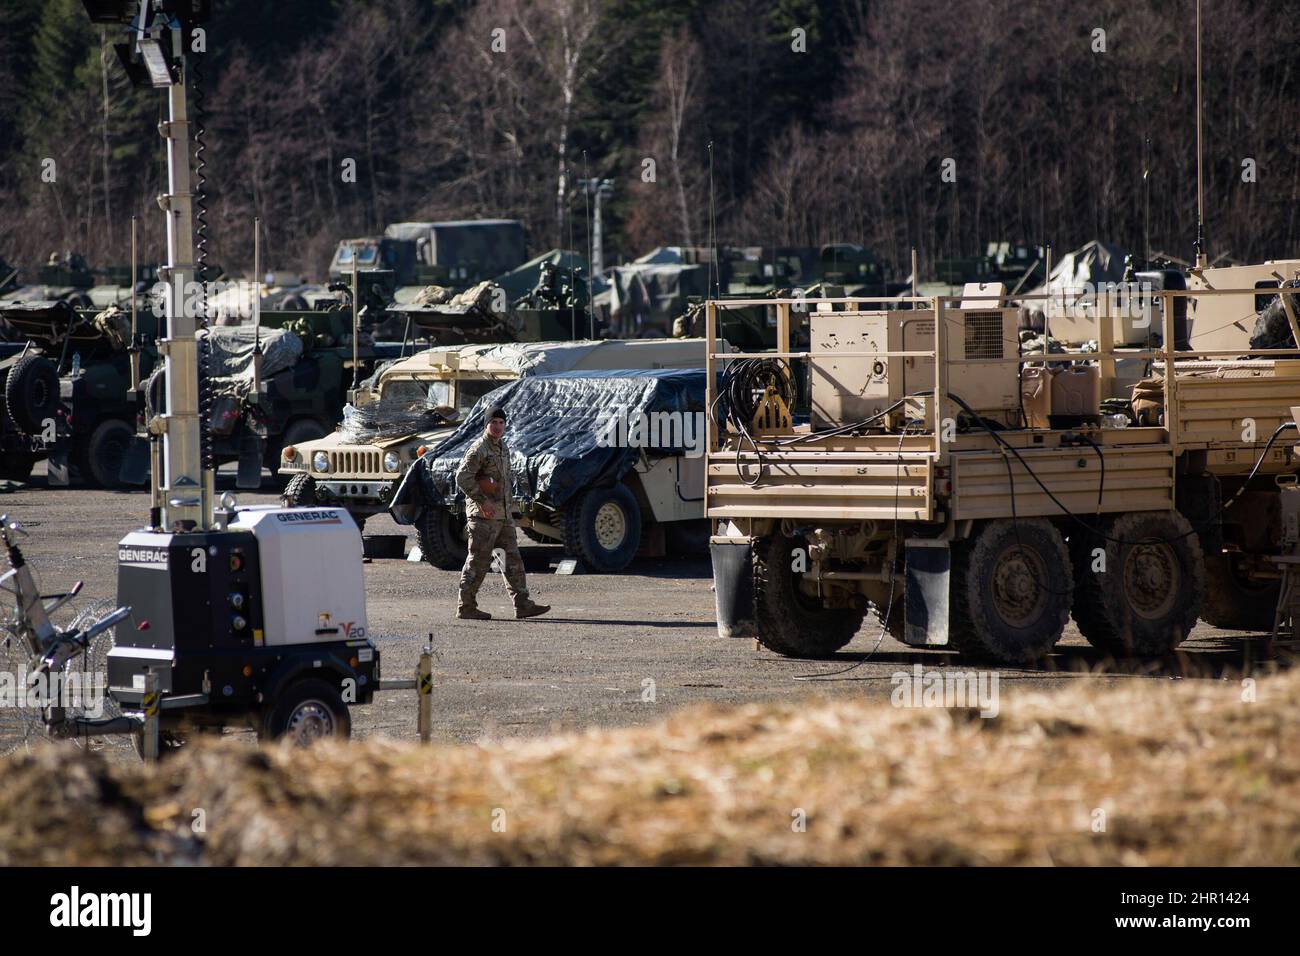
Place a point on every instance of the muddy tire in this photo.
(1011, 590)
(105, 451)
(442, 537)
(1147, 599)
(32, 393)
(790, 622)
(603, 527)
(1232, 601)
(306, 712)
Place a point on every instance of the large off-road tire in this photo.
(32, 393)
(1147, 598)
(788, 621)
(603, 527)
(1011, 591)
(300, 492)
(443, 539)
(1232, 601)
(104, 452)
(307, 711)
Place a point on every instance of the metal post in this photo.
(135, 319)
(424, 687)
(914, 276)
(183, 489)
(356, 322)
(151, 711)
(257, 307)
(940, 383)
(710, 318)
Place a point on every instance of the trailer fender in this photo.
(324, 665)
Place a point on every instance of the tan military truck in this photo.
(414, 403)
(955, 522)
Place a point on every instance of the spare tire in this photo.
(32, 393)
(106, 451)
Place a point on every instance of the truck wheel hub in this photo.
(1150, 579)
(1016, 590)
(611, 526)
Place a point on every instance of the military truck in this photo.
(455, 255)
(412, 405)
(954, 522)
(64, 277)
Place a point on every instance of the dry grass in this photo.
(1186, 773)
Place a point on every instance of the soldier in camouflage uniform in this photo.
(484, 477)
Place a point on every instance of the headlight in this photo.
(320, 461)
(392, 462)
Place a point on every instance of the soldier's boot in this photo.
(470, 612)
(530, 609)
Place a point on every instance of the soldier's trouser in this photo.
(485, 536)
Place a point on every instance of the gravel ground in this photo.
(615, 650)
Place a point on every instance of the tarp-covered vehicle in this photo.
(607, 463)
(414, 404)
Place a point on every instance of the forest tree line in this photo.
(936, 124)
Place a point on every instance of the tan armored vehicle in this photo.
(414, 403)
(988, 518)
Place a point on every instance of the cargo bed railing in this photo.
(930, 449)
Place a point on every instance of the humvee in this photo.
(411, 405)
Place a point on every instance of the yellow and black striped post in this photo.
(152, 708)
(424, 688)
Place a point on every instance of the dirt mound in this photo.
(1148, 773)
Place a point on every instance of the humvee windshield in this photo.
(414, 392)
(366, 255)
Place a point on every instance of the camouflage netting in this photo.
(231, 349)
(389, 418)
(1272, 327)
(114, 324)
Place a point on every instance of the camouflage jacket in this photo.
(486, 459)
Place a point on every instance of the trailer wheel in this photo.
(308, 711)
(104, 452)
(790, 622)
(1233, 601)
(603, 527)
(32, 393)
(443, 539)
(1147, 596)
(1011, 591)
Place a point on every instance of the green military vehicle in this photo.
(454, 255)
(69, 396)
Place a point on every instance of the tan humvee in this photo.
(359, 468)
